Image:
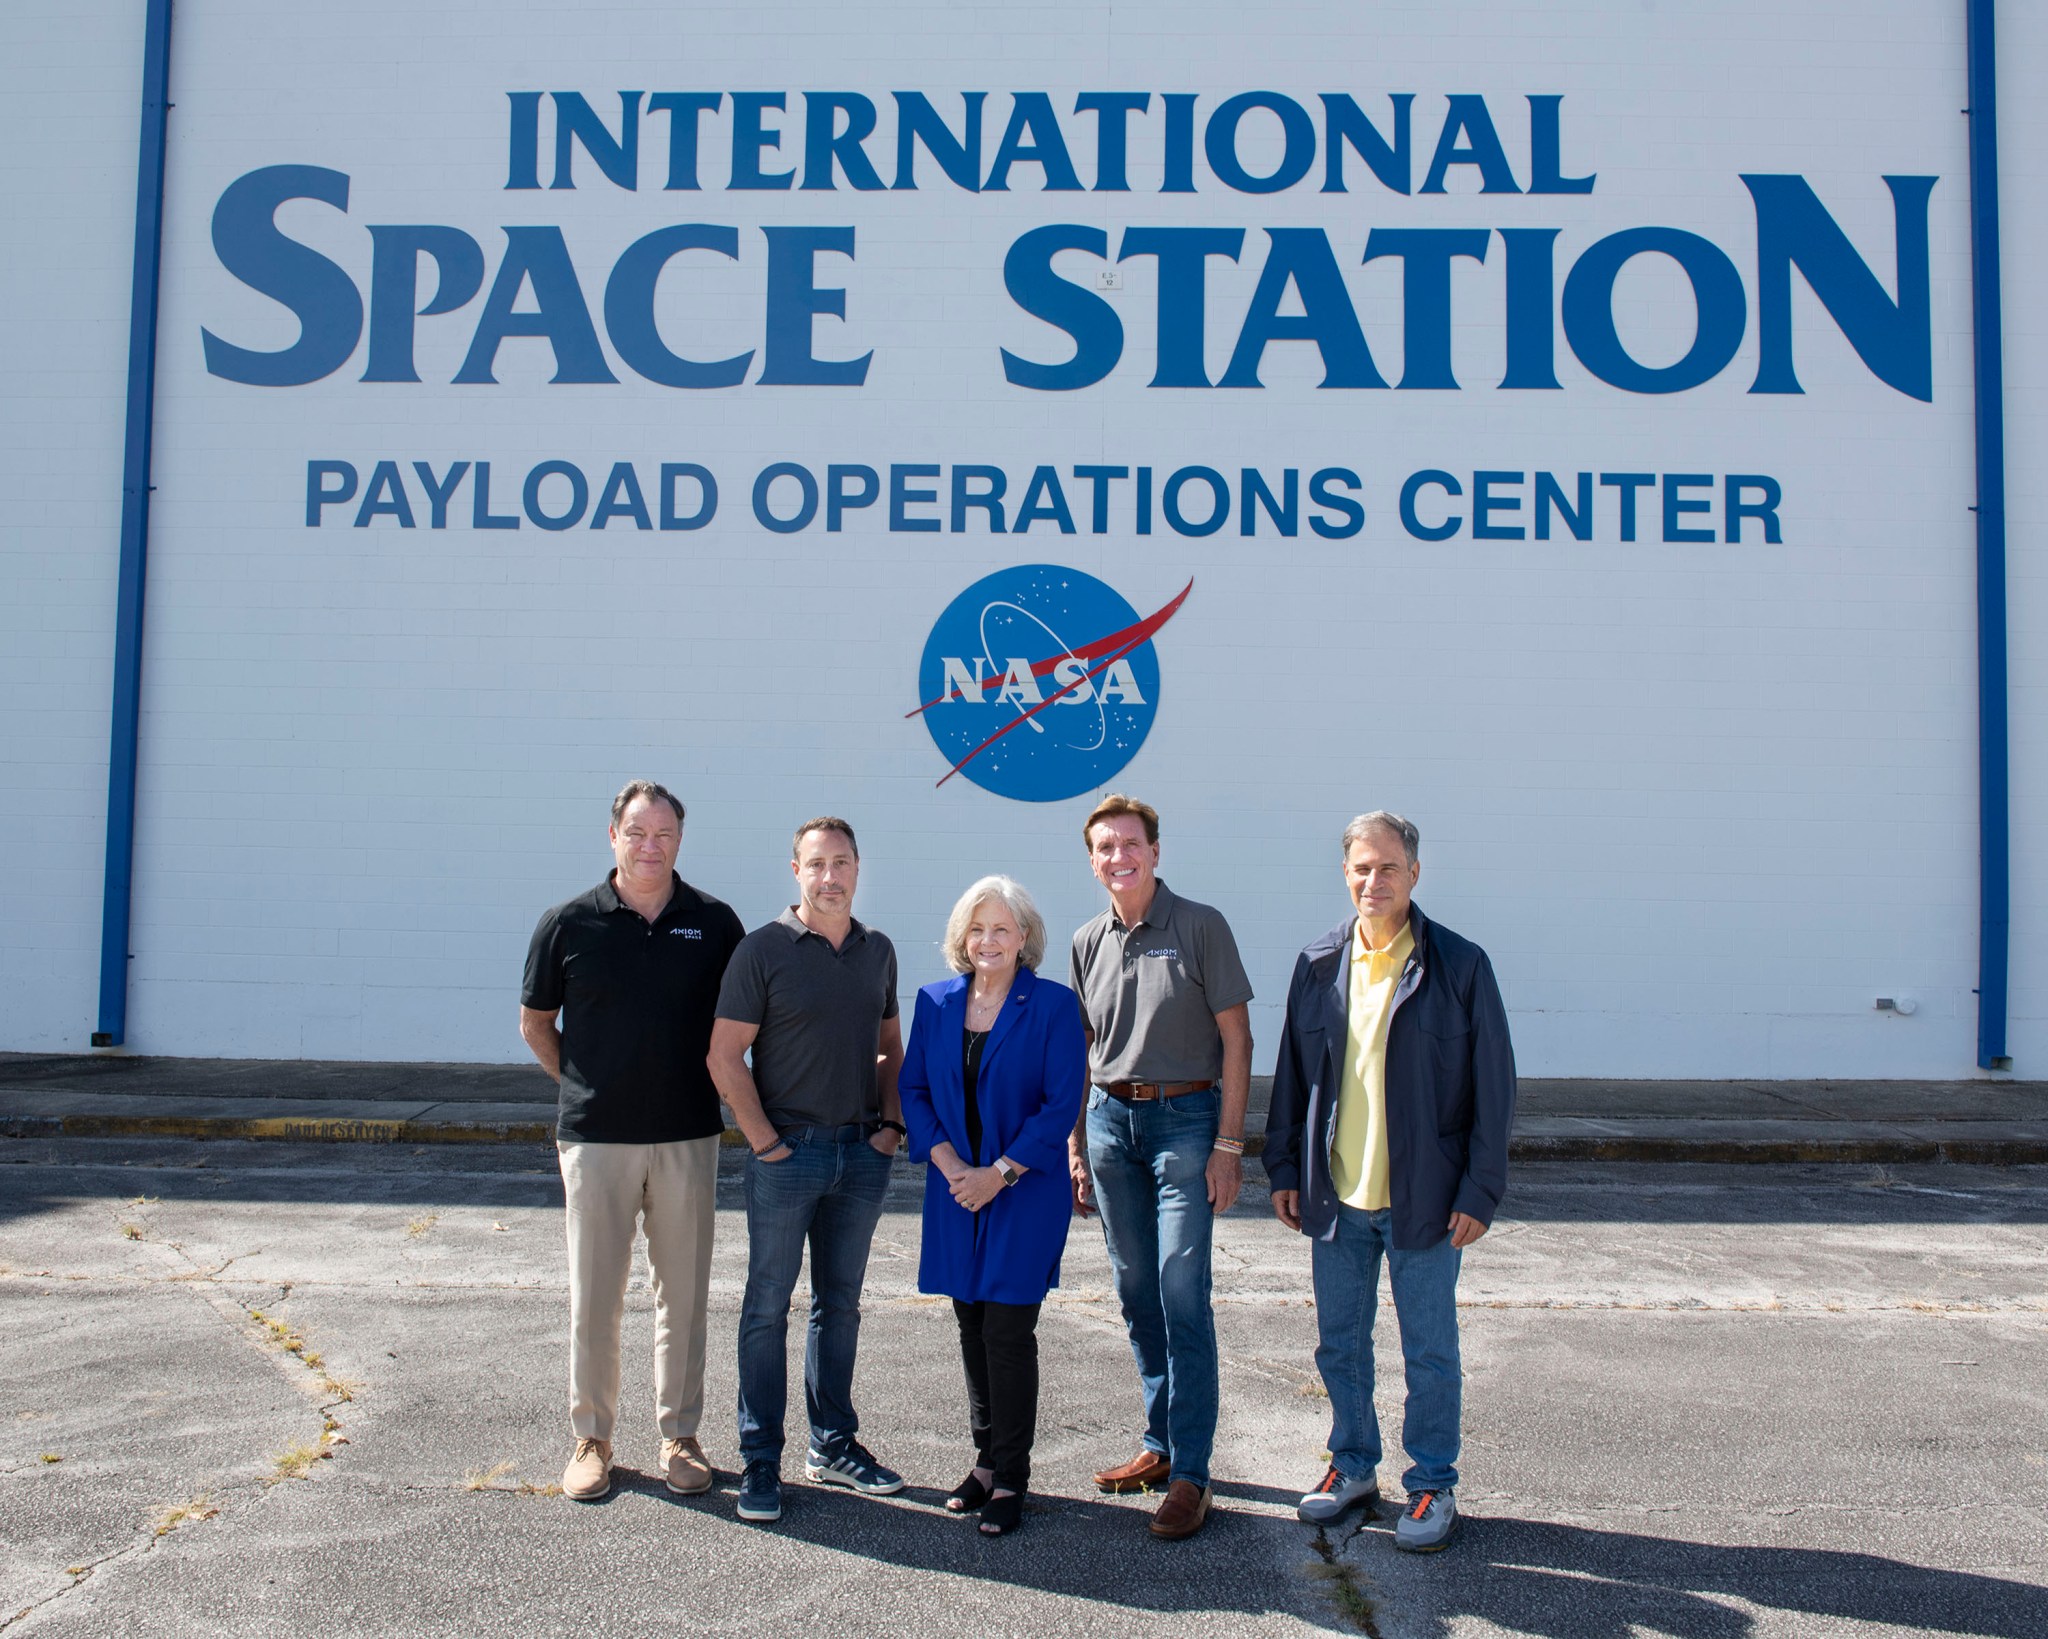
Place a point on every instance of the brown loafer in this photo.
(1185, 1511)
(1148, 1468)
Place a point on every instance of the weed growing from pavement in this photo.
(293, 1463)
(419, 1226)
(1340, 1581)
(52, 1457)
(132, 1232)
(296, 1459)
(498, 1477)
(176, 1514)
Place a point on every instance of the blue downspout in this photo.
(1994, 819)
(135, 486)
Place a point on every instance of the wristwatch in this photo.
(1006, 1172)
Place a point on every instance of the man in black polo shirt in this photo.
(813, 994)
(633, 969)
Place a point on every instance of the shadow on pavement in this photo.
(1567, 1582)
(39, 1173)
(1814, 1193)
(1086, 1549)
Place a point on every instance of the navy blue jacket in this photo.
(1034, 1069)
(1450, 1085)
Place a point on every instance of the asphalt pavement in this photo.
(262, 1387)
(1994, 1120)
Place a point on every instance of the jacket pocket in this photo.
(1447, 1053)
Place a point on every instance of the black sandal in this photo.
(1002, 1515)
(967, 1496)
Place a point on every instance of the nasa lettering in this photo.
(1040, 682)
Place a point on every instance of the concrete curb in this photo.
(1852, 1148)
(1959, 1142)
(288, 1129)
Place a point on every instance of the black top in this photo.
(971, 1072)
(636, 1000)
(819, 1013)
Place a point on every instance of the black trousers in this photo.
(999, 1346)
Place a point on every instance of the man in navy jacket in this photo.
(1388, 1136)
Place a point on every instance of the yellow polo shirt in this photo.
(1358, 1153)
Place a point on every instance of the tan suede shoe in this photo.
(684, 1467)
(1185, 1511)
(589, 1474)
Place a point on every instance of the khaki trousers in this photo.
(611, 1189)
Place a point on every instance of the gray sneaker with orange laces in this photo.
(1426, 1522)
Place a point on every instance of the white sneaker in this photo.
(1426, 1522)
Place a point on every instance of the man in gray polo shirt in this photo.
(1159, 1147)
(813, 994)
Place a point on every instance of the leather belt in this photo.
(1143, 1092)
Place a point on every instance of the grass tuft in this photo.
(420, 1225)
(498, 1477)
(170, 1518)
(294, 1461)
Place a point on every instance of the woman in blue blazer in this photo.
(991, 1085)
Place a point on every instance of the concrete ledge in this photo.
(298, 1129)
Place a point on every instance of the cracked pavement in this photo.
(1704, 1402)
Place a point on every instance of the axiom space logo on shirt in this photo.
(1040, 682)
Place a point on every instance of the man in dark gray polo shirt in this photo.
(813, 994)
(1159, 1147)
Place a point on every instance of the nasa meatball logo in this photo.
(1041, 682)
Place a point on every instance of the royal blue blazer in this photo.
(1034, 1070)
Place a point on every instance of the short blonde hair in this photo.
(1011, 895)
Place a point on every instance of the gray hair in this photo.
(652, 790)
(1011, 895)
(1381, 820)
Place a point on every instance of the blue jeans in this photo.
(828, 1192)
(1151, 1163)
(1347, 1282)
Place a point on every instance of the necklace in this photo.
(986, 1007)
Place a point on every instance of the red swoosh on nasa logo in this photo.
(1104, 651)
(1122, 642)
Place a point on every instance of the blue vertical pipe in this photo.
(118, 892)
(1994, 821)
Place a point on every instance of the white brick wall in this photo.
(70, 92)
(1703, 803)
(2023, 157)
